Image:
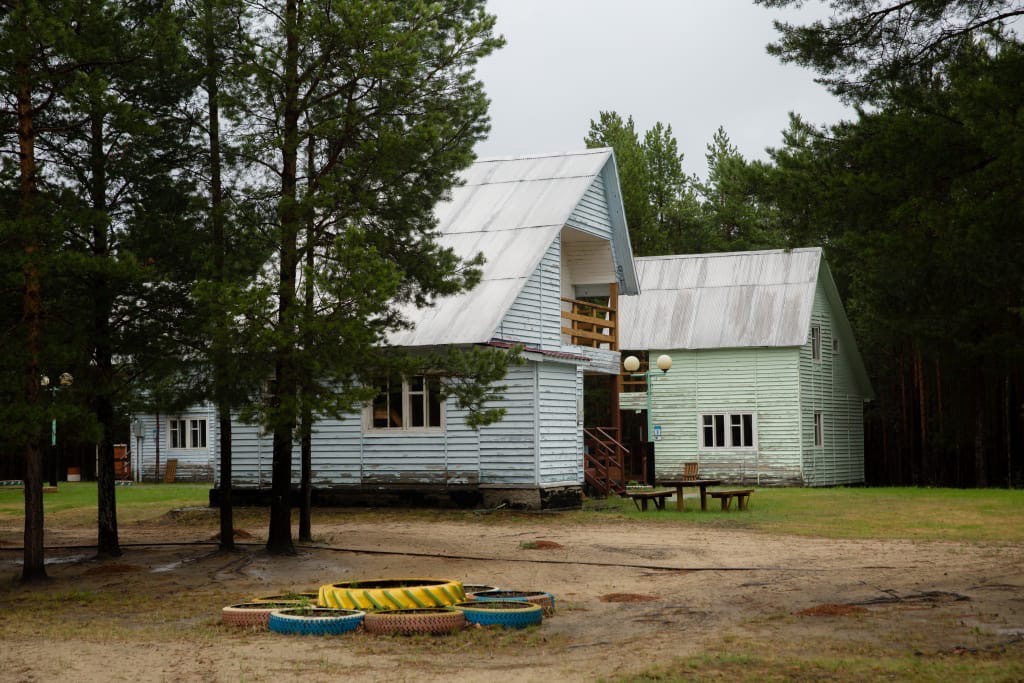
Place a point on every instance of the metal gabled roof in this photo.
(510, 209)
(728, 300)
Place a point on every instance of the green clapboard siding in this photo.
(761, 381)
(828, 386)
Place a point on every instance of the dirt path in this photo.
(630, 595)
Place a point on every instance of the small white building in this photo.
(553, 231)
(767, 385)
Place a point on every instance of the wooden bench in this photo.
(643, 496)
(742, 497)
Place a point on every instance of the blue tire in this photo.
(316, 621)
(545, 600)
(507, 613)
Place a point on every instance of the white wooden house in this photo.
(553, 231)
(766, 386)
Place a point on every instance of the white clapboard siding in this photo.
(557, 419)
(508, 449)
(194, 464)
(591, 214)
(535, 318)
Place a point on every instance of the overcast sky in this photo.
(694, 64)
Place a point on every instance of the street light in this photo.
(631, 364)
(139, 431)
(66, 380)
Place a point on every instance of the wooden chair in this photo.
(689, 470)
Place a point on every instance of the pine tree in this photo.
(385, 94)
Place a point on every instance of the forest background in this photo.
(918, 203)
(203, 194)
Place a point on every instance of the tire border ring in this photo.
(512, 614)
(420, 593)
(316, 621)
(545, 600)
(249, 614)
(409, 621)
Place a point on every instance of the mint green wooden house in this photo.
(766, 387)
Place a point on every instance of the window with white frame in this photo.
(727, 430)
(819, 429)
(186, 433)
(816, 342)
(410, 404)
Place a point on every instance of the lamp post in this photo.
(140, 434)
(66, 380)
(631, 364)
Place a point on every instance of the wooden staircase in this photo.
(603, 457)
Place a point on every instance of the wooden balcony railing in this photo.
(592, 324)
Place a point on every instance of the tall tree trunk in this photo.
(279, 537)
(905, 432)
(306, 486)
(103, 306)
(1008, 431)
(980, 474)
(33, 568)
(306, 428)
(227, 522)
(220, 343)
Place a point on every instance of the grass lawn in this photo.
(989, 515)
(74, 503)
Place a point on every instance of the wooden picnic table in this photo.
(679, 484)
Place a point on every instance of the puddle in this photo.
(170, 567)
(67, 559)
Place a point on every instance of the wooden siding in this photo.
(251, 456)
(343, 455)
(535, 316)
(585, 262)
(761, 381)
(591, 214)
(558, 436)
(829, 386)
(194, 464)
(508, 448)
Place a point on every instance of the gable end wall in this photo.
(535, 317)
(829, 386)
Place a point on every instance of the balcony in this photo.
(592, 324)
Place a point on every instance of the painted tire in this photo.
(290, 599)
(507, 613)
(391, 594)
(474, 589)
(410, 621)
(545, 600)
(251, 614)
(315, 622)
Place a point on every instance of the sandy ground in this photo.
(685, 590)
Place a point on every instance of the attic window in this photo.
(835, 346)
(816, 343)
(406, 404)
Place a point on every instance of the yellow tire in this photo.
(391, 594)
